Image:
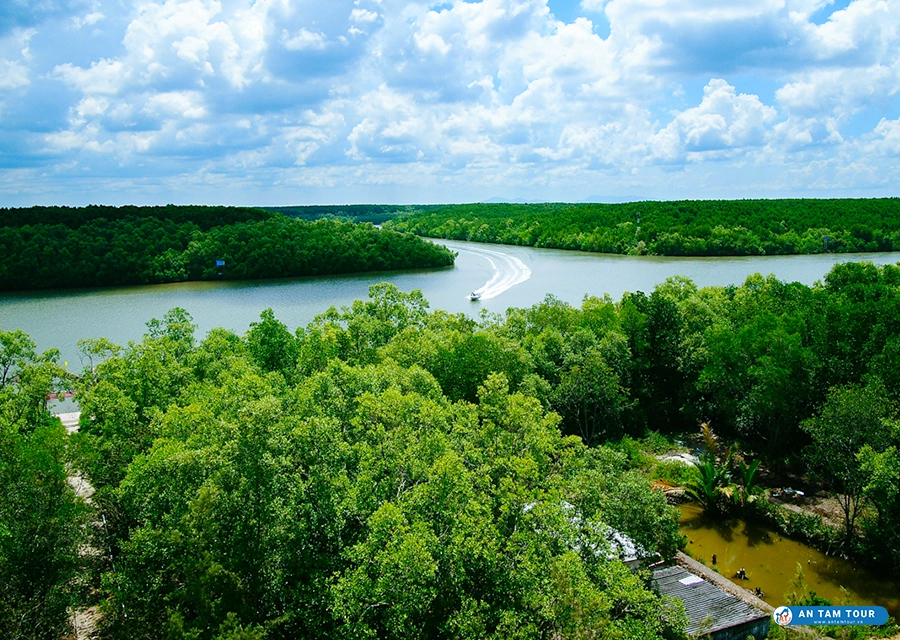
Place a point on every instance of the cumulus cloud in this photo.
(103, 77)
(303, 39)
(88, 20)
(723, 122)
(293, 92)
(13, 75)
(885, 139)
(798, 133)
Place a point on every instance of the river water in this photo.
(506, 277)
(770, 561)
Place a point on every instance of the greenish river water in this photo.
(506, 276)
(770, 561)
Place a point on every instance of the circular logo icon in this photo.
(783, 616)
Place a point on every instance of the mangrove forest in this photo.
(63, 247)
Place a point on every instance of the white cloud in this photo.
(92, 106)
(13, 75)
(723, 122)
(363, 16)
(194, 50)
(464, 93)
(840, 91)
(103, 77)
(89, 20)
(176, 104)
(864, 32)
(303, 39)
(797, 133)
(885, 139)
(594, 5)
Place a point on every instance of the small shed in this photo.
(711, 612)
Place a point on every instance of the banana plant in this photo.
(747, 478)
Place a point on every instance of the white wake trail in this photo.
(508, 272)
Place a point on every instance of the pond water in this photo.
(770, 561)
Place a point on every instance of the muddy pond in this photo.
(770, 562)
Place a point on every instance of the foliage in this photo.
(249, 498)
(851, 418)
(204, 218)
(58, 247)
(713, 472)
(707, 484)
(800, 595)
(40, 517)
(674, 473)
(690, 228)
(882, 473)
(374, 213)
(747, 481)
(799, 525)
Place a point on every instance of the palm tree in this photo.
(713, 475)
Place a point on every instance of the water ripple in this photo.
(508, 272)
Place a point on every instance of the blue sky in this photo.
(276, 102)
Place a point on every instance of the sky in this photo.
(285, 102)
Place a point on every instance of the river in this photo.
(506, 277)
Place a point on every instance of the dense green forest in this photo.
(59, 247)
(374, 213)
(681, 228)
(388, 471)
(73, 217)
(295, 486)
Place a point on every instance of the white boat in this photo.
(474, 296)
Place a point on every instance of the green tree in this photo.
(591, 400)
(851, 418)
(272, 346)
(41, 520)
(882, 473)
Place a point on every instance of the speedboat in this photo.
(474, 296)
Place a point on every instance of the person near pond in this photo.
(741, 574)
(714, 558)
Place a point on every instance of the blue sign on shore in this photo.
(791, 616)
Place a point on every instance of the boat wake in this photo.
(508, 272)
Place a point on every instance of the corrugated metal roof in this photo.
(708, 608)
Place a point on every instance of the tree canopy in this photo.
(677, 228)
(58, 247)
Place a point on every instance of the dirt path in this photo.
(84, 620)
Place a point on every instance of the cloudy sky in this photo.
(336, 101)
